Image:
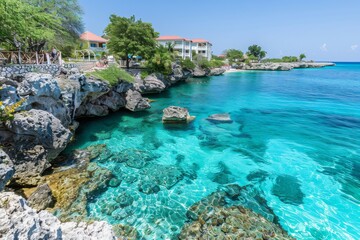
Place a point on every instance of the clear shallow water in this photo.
(295, 138)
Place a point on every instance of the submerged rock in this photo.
(42, 198)
(163, 175)
(19, 221)
(148, 187)
(288, 189)
(135, 158)
(124, 199)
(231, 223)
(220, 118)
(174, 114)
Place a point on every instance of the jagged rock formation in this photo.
(268, 66)
(18, 220)
(34, 138)
(6, 169)
(216, 71)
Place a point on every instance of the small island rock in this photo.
(174, 114)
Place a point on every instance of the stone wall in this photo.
(11, 71)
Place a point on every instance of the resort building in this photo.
(185, 47)
(93, 42)
(202, 47)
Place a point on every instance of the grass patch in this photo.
(112, 74)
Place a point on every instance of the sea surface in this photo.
(295, 138)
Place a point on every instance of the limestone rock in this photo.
(36, 84)
(8, 94)
(123, 87)
(6, 169)
(151, 84)
(42, 198)
(19, 221)
(199, 72)
(216, 71)
(175, 114)
(40, 127)
(135, 102)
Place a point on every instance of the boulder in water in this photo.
(175, 114)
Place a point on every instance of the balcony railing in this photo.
(98, 49)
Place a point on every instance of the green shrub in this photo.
(187, 64)
(204, 63)
(160, 62)
(113, 75)
(214, 63)
(144, 74)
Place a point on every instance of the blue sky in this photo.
(322, 29)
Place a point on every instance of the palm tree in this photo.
(302, 56)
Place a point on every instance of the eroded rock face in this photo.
(6, 169)
(199, 72)
(151, 84)
(19, 221)
(37, 127)
(35, 138)
(135, 102)
(175, 114)
(8, 95)
(35, 84)
(216, 71)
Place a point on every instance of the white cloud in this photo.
(324, 47)
(354, 47)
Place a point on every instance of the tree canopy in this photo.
(21, 21)
(31, 24)
(234, 55)
(256, 52)
(302, 56)
(69, 13)
(128, 36)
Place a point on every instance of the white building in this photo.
(202, 47)
(184, 47)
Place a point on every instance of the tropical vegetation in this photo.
(129, 37)
(7, 112)
(113, 74)
(256, 52)
(35, 25)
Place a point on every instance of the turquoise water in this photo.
(295, 138)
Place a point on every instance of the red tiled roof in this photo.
(170, 38)
(89, 36)
(200, 40)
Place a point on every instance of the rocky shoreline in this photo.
(48, 182)
(282, 66)
(42, 128)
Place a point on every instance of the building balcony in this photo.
(98, 49)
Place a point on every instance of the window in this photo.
(178, 42)
(93, 45)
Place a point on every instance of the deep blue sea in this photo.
(295, 138)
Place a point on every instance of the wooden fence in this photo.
(29, 58)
